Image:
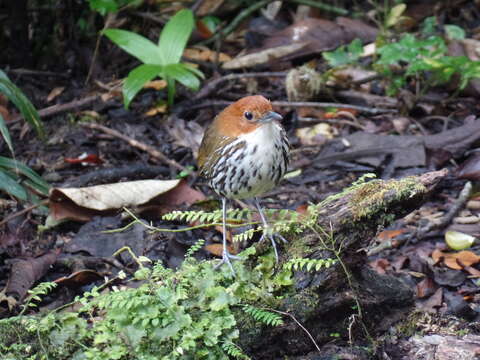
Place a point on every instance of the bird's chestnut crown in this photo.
(245, 115)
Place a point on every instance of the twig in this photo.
(298, 323)
(212, 85)
(321, 6)
(57, 109)
(448, 217)
(148, 16)
(364, 109)
(36, 73)
(21, 212)
(139, 145)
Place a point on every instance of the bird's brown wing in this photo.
(207, 154)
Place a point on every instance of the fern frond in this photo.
(263, 316)
(234, 351)
(42, 288)
(244, 236)
(194, 248)
(308, 264)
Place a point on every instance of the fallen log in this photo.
(348, 299)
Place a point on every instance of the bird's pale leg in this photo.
(265, 226)
(226, 256)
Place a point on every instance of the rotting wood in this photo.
(324, 301)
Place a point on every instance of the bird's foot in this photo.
(226, 256)
(271, 236)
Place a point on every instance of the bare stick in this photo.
(57, 109)
(139, 145)
(21, 212)
(212, 85)
(368, 110)
(298, 323)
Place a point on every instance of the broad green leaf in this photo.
(454, 32)
(395, 15)
(17, 166)
(183, 75)
(137, 78)
(344, 55)
(10, 186)
(194, 70)
(428, 25)
(174, 36)
(136, 45)
(5, 134)
(104, 6)
(15, 95)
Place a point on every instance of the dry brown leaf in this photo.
(456, 261)
(390, 234)
(202, 53)
(55, 92)
(472, 271)
(82, 204)
(217, 249)
(425, 288)
(321, 35)
(155, 84)
(185, 133)
(208, 7)
(79, 278)
(159, 109)
(182, 194)
(262, 56)
(380, 265)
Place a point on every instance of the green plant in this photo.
(15, 95)
(111, 6)
(35, 293)
(345, 54)
(18, 179)
(308, 264)
(12, 171)
(162, 60)
(263, 316)
(191, 313)
(423, 59)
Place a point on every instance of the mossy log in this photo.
(326, 302)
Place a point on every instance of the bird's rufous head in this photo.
(245, 115)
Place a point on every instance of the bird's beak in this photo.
(270, 116)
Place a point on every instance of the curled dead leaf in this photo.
(217, 249)
(82, 204)
(456, 261)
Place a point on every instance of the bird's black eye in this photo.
(248, 115)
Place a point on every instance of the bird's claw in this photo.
(272, 237)
(226, 256)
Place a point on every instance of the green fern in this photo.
(35, 294)
(234, 351)
(308, 264)
(207, 217)
(244, 236)
(194, 248)
(263, 316)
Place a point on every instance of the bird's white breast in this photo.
(255, 163)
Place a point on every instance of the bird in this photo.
(244, 153)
